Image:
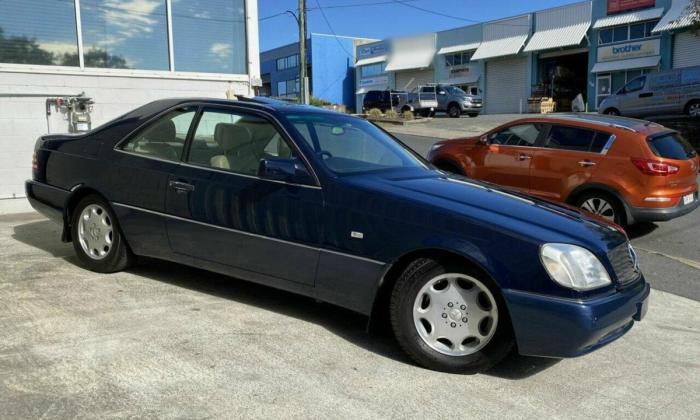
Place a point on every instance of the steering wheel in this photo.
(325, 154)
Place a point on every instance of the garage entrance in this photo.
(411, 79)
(562, 77)
(507, 85)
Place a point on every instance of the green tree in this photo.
(96, 58)
(23, 50)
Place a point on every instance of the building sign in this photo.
(617, 6)
(374, 81)
(629, 50)
(461, 72)
(365, 51)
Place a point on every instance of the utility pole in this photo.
(303, 81)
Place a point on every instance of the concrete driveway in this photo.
(163, 340)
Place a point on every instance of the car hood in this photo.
(524, 215)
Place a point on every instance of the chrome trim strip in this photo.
(223, 171)
(254, 235)
(608, 145)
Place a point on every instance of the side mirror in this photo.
(285, 170)
(484, 140)
(442, 92)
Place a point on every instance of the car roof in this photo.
(259, 103)
(604, 121)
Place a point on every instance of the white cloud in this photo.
(131, 18)
(58, 47)
(221, 50)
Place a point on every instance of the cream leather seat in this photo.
(234, 141)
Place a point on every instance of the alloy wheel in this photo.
(694, 110)
(455, 314)
(95, 231)
(600, 207)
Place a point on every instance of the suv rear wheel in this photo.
(449, 317)
(602, 204)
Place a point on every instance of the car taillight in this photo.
(655, 167)
(35, 163)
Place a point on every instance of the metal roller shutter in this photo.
(686, 50)
(409, 80)
(506, 85)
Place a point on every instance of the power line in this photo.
(339, 6)
(413, 6)
(330, 28)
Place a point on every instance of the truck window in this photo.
(635, 85)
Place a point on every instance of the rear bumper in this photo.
(46, 199)
(554, 327)
(647, 214)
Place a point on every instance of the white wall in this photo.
(22, 120)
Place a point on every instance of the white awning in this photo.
(500, 47)
(677, 17)
(461, 80)
(370, 60)
(630, 64)
(458, 48)
(408, 61)
(557, 38)
(638, 16)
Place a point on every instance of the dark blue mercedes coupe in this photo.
(330, 206)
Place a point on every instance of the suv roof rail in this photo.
(599, 120)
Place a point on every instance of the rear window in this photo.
(671, 146)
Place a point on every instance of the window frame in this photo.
(279, 127)
(648, 25)
(544, 132)
(171, 73)
(610, 139)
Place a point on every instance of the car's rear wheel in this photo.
(97, 239)
(603, 205)
(454, 111)
(449, 318)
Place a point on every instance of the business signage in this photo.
(374, 81)
(462, 72)
(617, 6)
(629, 50)
(371, 50)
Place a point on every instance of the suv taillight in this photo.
(655, 167)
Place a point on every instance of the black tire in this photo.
(118, 257)
(454, 111)
(612, 112)
(693, 109)
(405, 291)
(473, 115)
(596, 196)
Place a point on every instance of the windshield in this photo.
(455, 90)
(348, 145)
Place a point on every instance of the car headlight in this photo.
(574, 267)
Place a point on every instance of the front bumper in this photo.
(648, 214)
(548, 326)
(472, 108)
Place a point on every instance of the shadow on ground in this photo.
(351, 326)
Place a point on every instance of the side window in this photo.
(635, 85)
(518, 135)
(569, 138)
(235, 142)
(599, 142)
(165, 138)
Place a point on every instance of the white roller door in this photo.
(686, 50)
(411, 79)
(506, 85)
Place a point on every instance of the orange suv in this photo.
(622, 169)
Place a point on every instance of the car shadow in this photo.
(346, 324)
(639, 230)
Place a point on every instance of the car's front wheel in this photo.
(449, 318)
(97, 239)
(454, 111)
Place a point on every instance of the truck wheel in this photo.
(450, 318)
(693, 109)
(97, 238)
(454, 111)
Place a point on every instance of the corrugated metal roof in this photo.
(500, 47)
(678, 16)
(560, 27)
(638, 16)
(630, 64)
(458, 48)
(371, 60)
(557, 38)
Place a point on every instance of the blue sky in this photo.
(385, 20)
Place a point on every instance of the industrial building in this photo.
(592, 48)
(80, 63)
(330, 69)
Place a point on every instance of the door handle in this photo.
(523, 156)
(586, 163)
(181, 187)
(646, 95)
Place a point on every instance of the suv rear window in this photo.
(671, 146)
